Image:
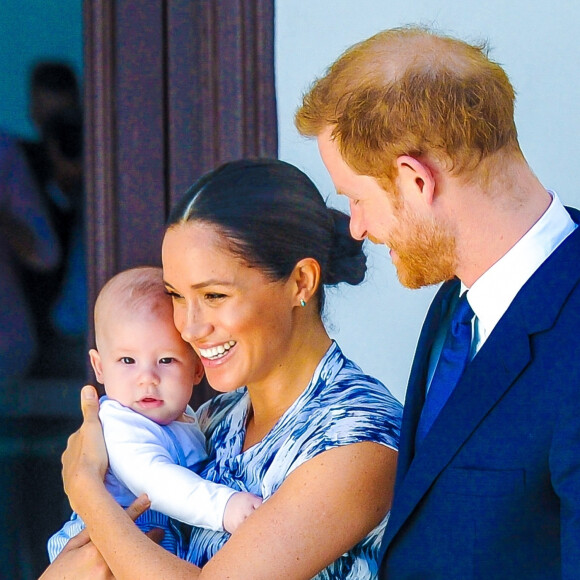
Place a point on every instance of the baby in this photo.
(153, 439)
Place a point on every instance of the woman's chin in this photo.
(220, 381)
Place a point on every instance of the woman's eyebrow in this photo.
(210, 282)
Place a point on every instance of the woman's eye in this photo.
(127, 360)
(213, 296)
(166, 360)
(173, 295)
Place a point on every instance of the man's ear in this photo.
(414, 174)
(306, 280)
(96, 363)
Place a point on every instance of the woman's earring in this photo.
(302, 302)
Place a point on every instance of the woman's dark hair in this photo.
(273, 216)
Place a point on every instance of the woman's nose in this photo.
(194, 327)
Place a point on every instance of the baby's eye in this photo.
(166, 360)
(127, 360)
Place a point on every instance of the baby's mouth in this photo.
(150, 402)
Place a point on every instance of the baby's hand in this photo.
(238, 508)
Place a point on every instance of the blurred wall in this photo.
(31, 30)
(378, 323)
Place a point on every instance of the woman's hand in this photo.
(85, 457)
(80, 558)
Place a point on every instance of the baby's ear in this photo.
(198, 370)
(95, 358)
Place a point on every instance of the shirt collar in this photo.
(491, 295)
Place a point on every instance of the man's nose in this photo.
(357, 227)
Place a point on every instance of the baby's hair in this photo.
(131, 290)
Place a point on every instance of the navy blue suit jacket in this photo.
(493, 491)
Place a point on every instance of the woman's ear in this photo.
(97, 365)
(306, 280)
(416, 175)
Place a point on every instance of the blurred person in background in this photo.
(58, 298)
(28, 240)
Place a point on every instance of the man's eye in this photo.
(127, 360)
(166, 360)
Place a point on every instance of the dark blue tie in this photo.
(450, 367)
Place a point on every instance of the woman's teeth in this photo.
(217, 351)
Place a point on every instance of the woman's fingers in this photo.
(85, 454)
(78, 541)
(80, 560)
(156, 535)
(89, 403)
(140, 505)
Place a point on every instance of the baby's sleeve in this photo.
(142, 456)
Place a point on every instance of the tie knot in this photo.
(462, 314)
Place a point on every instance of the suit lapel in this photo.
(504, 355)
(470, 402)
(415, 396)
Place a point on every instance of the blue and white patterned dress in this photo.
(340, 406)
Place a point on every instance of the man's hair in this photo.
(409, 91)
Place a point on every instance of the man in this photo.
(417, 130)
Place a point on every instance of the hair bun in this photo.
(347, 261)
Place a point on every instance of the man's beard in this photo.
(425, 252)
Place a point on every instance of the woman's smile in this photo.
(217, 352)
(218, 296)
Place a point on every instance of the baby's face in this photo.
(145, 364)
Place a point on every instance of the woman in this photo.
(245, 258)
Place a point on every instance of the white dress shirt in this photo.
(493, 292)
